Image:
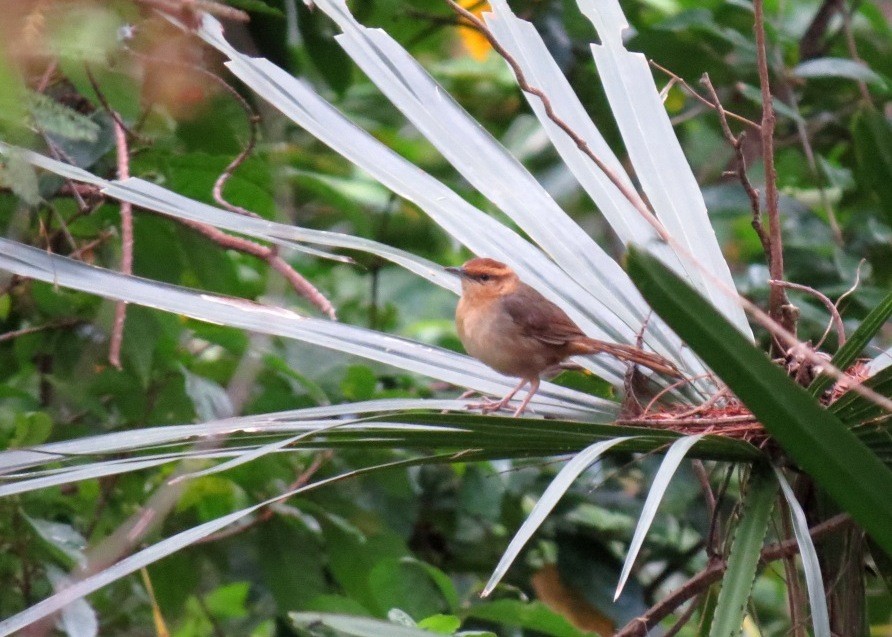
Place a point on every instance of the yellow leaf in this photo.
(472, 40)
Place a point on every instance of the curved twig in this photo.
(834, 312)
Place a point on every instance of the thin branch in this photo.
(703, 479)
(629, 193)
(117, 335)
(777, 298)
(711, 104)
(301, 285)
(639, 626)
(683, 620)
(841, 298)
(737, 144)
(90, 245)
(253, 121)
(105, 105)
(267, 512)
(834, 313)
(8, 336)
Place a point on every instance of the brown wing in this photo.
(538, 317)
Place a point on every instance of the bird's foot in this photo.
(487, 405)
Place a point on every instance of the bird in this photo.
(516, 331)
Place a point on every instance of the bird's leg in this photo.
(534, 387)
(491, 405)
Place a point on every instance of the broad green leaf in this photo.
(853, 408)
(444, 624)
(292, 560)
(745, 550)
(812, 437)
(872, 136)
(328, 58)
(579, 463)
(534, 616)
(358, 626)
(404, 583)
(847, 354)
(837, 67)
(56, 118)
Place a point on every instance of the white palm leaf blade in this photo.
(153, 197)
(524, 44)
(475, 229)
(132, 563)
(661, 481)
(313, 419)
(556, 489)
(880, 362)
(105, 468)
(486, 164)
(659, 162)
(811, 567)
(403, 353)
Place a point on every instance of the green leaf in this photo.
(357, 626)
(754, 95)
(534, 616)
(20, 177)
(745, 550)
(292, 562)
(317, 32)
(405, 584)
(31, 428)
(56, 118)
(257, 6)
(813, 437)
(445, 624)
(847, 354)
(64, 539)
(872, 136)
(852, 408)
(837, 67)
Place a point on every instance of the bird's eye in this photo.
(484, 277)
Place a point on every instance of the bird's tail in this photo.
(631, 354)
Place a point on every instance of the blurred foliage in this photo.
(417, 545)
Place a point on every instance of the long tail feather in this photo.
(631, 354)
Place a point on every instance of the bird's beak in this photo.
(460, 272)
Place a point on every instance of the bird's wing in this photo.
(539, 318)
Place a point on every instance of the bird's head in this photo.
(485, 277)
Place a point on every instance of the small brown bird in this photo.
(508, 325)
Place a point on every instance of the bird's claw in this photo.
(486, 405)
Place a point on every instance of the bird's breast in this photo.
(490, 335)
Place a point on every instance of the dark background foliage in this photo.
(421, 541)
